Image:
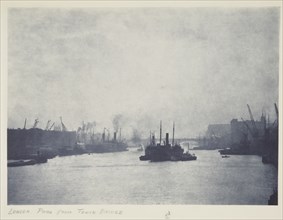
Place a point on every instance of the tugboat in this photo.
(21, 163)
(140, 148)
(35, 159)
(165, 152)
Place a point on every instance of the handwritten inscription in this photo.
(115, 212)
(18, 211)
(86, 212)
(82, 211)
(100, 212)
(44, 211)
(63, 212)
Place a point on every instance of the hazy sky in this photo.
(195, 66)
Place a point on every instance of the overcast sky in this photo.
(196, 66)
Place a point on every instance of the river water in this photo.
(120, 178)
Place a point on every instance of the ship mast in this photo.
(160, 132)
(173, 133)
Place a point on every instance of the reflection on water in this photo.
(120, 178)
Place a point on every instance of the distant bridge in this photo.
(180, 140)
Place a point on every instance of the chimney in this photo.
(115, 136)
(153, 139)
(167, 139)
(103, 135)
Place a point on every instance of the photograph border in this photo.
(129, 211)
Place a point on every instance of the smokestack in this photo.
(167, 139)
(120, 134)
(115, 136)
(153, 139)
(103, 135)
(160, 132)
(25, 124)
(173, 133)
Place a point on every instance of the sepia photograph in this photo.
(122, 105)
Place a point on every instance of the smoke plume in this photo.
(118, 121)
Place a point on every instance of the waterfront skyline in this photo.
(194, 66)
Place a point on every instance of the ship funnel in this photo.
(103, 135)
(153, 139)
(167, 139)
(115, 136)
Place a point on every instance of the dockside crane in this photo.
(63, 126)
(25, 124)
(275, 123)
(35, 123)
(47, 125)
(51, 126)
(255, 131)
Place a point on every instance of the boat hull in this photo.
(106, 147)
(166, 153)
